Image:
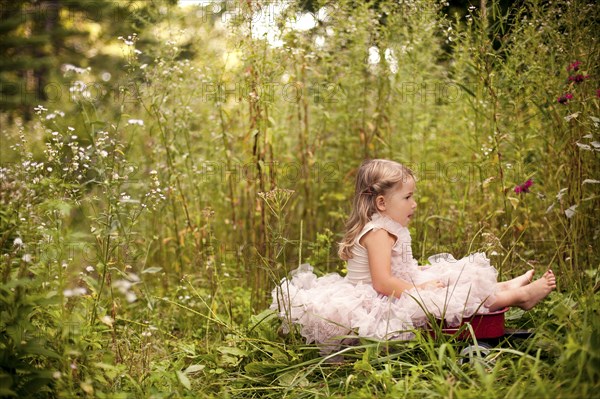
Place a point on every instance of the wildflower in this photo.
(72, 68)
(578, 78)
(39, 109)
(122, 285)
(107, 320)
(138, 122)
(565, 98)
(524, 188)
(574, 66)
(131, 297)
(18, 242)
(78, 291)
(598, 93)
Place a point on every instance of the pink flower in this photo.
(524, 188)
(574, 66)
(565, 98)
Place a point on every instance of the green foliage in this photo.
(26, 359)
(142, 227)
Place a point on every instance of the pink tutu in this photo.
(333, 307)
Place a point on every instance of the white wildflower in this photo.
(584, 146)
(106, 319)
(131, 297)
(571, 211)
(73, 68)
(590, 181)
(122, 285)
(138, 122)
(77, 291)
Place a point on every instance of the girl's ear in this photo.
(380, 203)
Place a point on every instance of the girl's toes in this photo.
(529, 275)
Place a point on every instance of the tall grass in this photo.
(142, 232)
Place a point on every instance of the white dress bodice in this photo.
(403, 264)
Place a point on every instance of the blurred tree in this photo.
(38, 37)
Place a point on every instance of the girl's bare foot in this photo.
(538, 290)
(517, 282)
(523, 279)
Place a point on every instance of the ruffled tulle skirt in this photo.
(328, 308)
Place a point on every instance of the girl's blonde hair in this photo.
(374, 177)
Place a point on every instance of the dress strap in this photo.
(368, 227)
(391, 226)
(379, 221)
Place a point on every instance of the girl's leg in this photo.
(526, 296)
(516, 282)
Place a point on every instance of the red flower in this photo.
(574, 66)
(598, 93)
(565, 98)
(578, 78)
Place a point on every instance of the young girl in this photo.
(385, 292)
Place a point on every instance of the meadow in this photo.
(145, 220)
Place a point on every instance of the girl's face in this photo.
(399, 203)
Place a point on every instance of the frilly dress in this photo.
(333, 307)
